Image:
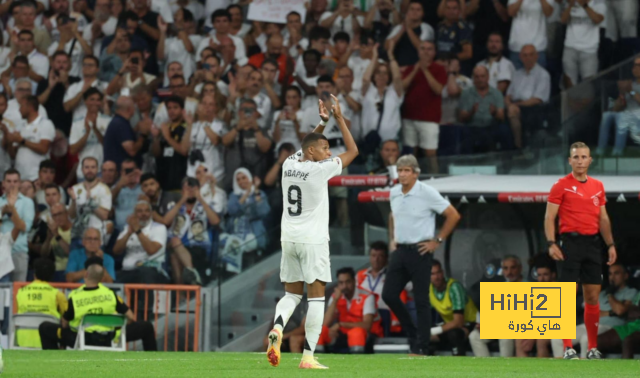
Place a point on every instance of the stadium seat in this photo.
(111, 321)
(29, 320)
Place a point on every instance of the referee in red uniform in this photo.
(579, 201)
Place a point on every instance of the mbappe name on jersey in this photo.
(296, 174)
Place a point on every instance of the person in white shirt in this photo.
(176, 44)
(24, 87)
(87, 133)
(292, 35)
(308, 80)
(501, 69)
(6, 128)
(238, 27)
(72, 43)
(178, 88)
(253, 91)
(344, 18)
(38, 62)
(131, 74)
(529, 26)
(352, 97)
(305, 232)
(90, 203)
(622, 19)
(580, 58)
(32, 140)
(104, 24)
(221, 23)
(206, 134)
(287, 122)
(73, 101)
(359, 62)
(143, 243)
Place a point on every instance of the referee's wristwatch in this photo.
(551, 242)
(610, 245)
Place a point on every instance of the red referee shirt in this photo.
(579, 203)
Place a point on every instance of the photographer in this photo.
(71, 43)
(132, 74)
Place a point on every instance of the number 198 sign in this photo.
(527, 310)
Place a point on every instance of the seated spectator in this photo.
(50, 91)
(74, 97)
(529, 27)
(91, 241)
(624, 117)
(189, 221)
(270, 85)
(87, 134)
(455, 37)
(131, 74)
(58, 241)
(626, 336)
(19, 70)
(452, 91)
(38, 62)
(457, 310)
(288, 121)
(404, 40)
(32, 139)
(6, 127)
(580, 57)
(46, 177)
(171, 144)
(349, 316)
(143, 243)
(501, 70)
(237, 27)
(531, 86)
(422, 110)
(389, 154)
(343, 18)
(71, 43)
(125, 193)
(210, 190)
(482, 108)
(512, 272)
(39, 297)
(614, 303)
(544, 273)
(159, 199)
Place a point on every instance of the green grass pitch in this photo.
(72, 364)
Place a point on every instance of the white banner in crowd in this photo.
(275, 10)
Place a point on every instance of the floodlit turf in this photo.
(72, 364)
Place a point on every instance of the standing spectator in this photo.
(404, 40)
(349, 315)
(379, 21)
(294, 39)
(246, 142)
(614, 303)
(531, 86)
(348, 95)
(422, 109)
(342, 19)
(482, 108)
(359, 63)
(90, 202)
(275, 51)
(39, 63)
(51, 91)
(179, 89)
(40, 36)
(120, 141)
(221, 20)
(210, 190)
(115, 56)
(455, 37)
(309, 79)
(129, 21)
(17, 213)
(125, 193)
(32, 140)
(160, 200)
(71, 43)
(171, 144)
(501, 69)
(451, 92)
(580, 58)
(488, 17)
(270, 85)
(147, 28)
(457, 310)
(238, 26)
(87, 134)
(318, 40)
(47, 176)
(253, 91)
(103, 25)
(529, 27)
(176, 44)
(143, 243)
(6, 128)
(287, 122)
(24, 88)
(58, 241)
(91, 242)
(131, 74)
(622, 19)
(206, 138)
(73, 98)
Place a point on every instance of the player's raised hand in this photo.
(323, 112)
(335, 108)
(556, 253)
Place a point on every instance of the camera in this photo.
(128, 170)
(192, 182)
(248, 112)
(196, 156)
(135, 60)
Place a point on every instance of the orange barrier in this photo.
(133, 290)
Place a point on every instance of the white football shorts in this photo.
(305, 262)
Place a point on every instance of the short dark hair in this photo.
(44, 269)
(177, 76)
(220, 13)
(93, 261)
(92, 57)
(20, 59)
(319, 32)
(380, 246)
(341, 36)
(313, 52)
(312, 138)
(293, 88)
(496, 33)
(325, 79)
(47, 164)
(294, 13)
(234, 6)
(347, 270)
(365, 36)
(271, 61)
(33, 101)
(25, 32)
(11, 171)
(90, 92)
(187, 16)
(148, 176)
(127, 15)
(175, 100)
(137, 51)
(436, 263)
(51, 186)
(59, 53)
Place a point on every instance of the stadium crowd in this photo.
(151, 133)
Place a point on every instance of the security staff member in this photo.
(412, 229)
(39, 297)
(579, 201)
(94, 298)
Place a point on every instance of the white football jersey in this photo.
(305, 216)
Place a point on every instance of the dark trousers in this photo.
(408, 265)
(53, 336)
(455, 340)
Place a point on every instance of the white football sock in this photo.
(285, 307)
(313, 325)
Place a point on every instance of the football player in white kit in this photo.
(305, 232)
